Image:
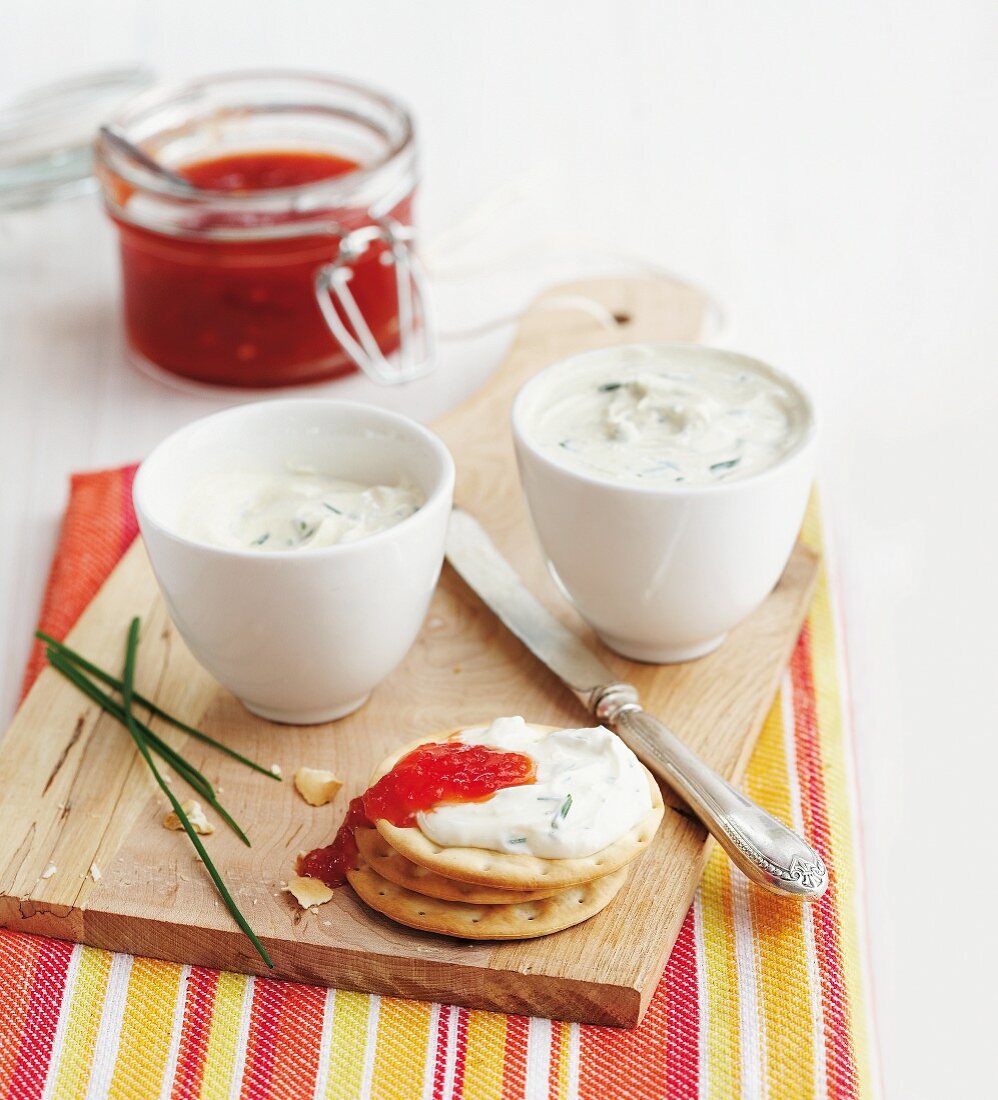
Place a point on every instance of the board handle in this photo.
(760, 845)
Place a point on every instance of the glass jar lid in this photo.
(46, 134)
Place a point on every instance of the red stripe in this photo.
(660, 1057)
(36, 1041)
(98, 527)
(299, 1041)
(261, 1039)
(285, 1036)
(839, 1054)
(514, 1066)
(461, 1051)
(18, 969)
(199, 1002)
(554, 1060)
(682, 1051)
(129, 524)
(440, 1058)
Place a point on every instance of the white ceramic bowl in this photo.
(300, 636)
(662, 573)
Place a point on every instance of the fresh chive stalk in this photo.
(186, 771)
(153, 708)
(73, 667)
(128, 698)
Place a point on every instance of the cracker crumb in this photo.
(317, 787)
(275, 769)
(308, 891)
(49, 871)
(95, 872)
(195, 814)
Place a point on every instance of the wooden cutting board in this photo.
(77, 797)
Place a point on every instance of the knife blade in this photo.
(769, 853)
(484, 569)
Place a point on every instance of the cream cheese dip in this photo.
(657, 415)
(294, 509)
(589, 790)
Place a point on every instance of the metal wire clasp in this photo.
(332, 281)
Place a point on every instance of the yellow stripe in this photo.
(400, 1054)
(722, 1039)
(77, 1054)
(824, 659)
(783, 992)
(348, 1045)
(559, 1072)
(223, 1039)
(483, 1065)
(810, 533)
(144, 1041)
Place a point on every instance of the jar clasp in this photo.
(347, 323)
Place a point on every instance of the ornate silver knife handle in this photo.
(769, 853)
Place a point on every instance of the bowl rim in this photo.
(440, 494)
(801, 447)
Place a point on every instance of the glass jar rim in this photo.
(134, 174)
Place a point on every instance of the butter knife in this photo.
(769, 853)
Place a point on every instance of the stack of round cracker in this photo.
(479, 894)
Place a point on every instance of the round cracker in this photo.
(518, 921)
(515, 870)
(380, 855)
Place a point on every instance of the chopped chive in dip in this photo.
(329, 507)
(609, 387)
(261, 540)
(720, 467)
(562, 813)
(661, 468)
(304, 531)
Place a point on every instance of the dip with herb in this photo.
(296, 509)
(649, 416)
(588, 790)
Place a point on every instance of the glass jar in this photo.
(276, 249)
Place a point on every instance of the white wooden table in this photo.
(828, 174)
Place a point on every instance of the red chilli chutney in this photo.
(432, 774)
(243, 313)
(219, 278)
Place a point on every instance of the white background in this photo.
(827, 171)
